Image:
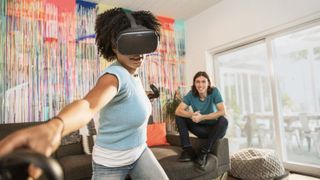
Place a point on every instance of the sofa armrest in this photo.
(221, 150)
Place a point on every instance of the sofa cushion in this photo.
(76, 167)
(70, 149)
(168, 158)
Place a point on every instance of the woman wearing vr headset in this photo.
(118, 95)
(206, 120)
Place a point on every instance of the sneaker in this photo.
(202, 157)
(187, 154)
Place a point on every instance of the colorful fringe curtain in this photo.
(48, 58)
(87, 60)
(3, 35)
(165, 68)
(39, 62)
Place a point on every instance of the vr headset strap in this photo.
(131, 19)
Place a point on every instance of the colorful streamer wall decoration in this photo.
(48, 58)
(87, 60)
(3, 35)
(165, 68)
(40, 65)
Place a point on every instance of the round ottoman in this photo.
(256, 164)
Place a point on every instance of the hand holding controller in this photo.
(16, 164)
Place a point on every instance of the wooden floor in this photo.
(291, 176)
(301, 177)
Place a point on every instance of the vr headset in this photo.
(137, 39)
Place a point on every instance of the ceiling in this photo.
(176, 9)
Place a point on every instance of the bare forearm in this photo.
(213, 115)
(183, 113)
(75, 116)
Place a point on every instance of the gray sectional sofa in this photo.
(76, 164)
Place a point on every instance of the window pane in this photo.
(244, 82)
(297, 66)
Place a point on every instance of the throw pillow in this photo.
(88, 134)
(156, 134)
(88, 143)
(72, 138)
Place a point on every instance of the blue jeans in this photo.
(212, 132)
(145, 168)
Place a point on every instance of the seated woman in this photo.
(205, 120)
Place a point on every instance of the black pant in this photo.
(205, 131)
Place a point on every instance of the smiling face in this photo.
(201, 83)
(130, 62)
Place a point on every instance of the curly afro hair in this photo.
(111, 22)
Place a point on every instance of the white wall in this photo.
(232, 20)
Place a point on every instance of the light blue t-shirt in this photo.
(124, 119)
(205, 107)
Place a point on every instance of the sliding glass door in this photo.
(243, 77)
(296, 58)
(271, 90)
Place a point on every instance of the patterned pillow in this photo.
(88, 134)
(71, 138)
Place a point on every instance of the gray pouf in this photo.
(256, 164)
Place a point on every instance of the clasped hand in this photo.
(196, 117)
